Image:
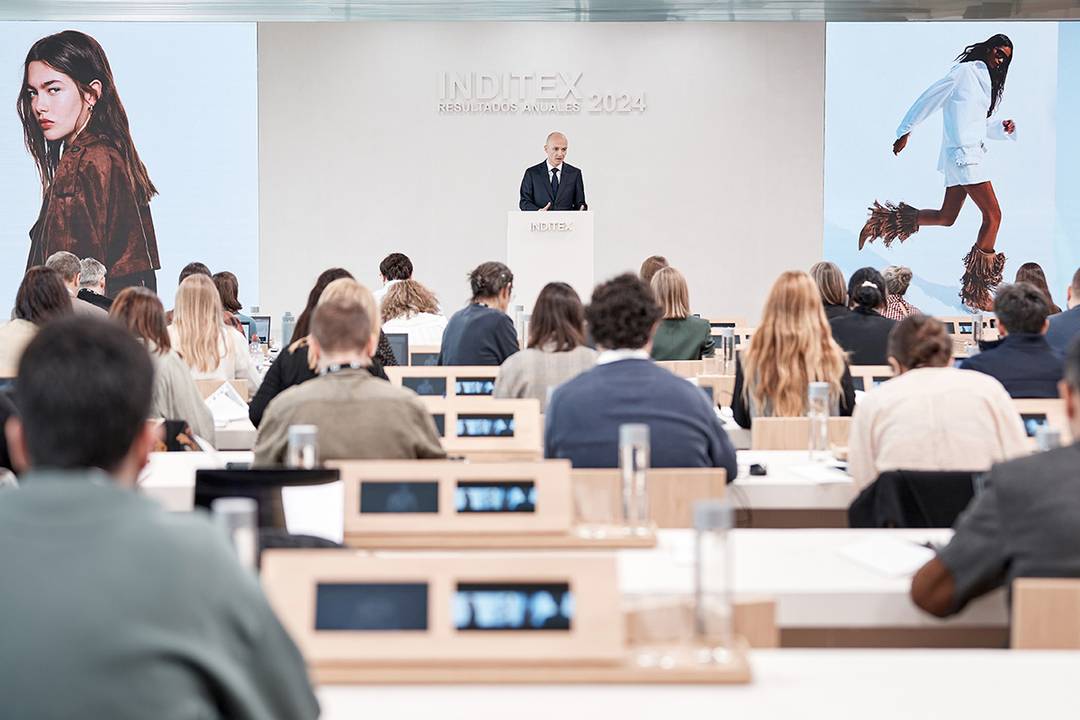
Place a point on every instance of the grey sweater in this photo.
(534, 373)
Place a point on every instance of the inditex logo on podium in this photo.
(551, 227)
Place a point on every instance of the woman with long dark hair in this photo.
(1032, 272)
(968, 98)
(95, 190)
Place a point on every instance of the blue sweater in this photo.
(478, 335)
(1024, 363)
(583, 418)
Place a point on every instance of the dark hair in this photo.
(1076, 282)
(866, 296)
(140, 309)
(341, 325)
(303, 323)
(622, 313)
(557, 318)
(42, 296)
(651, 265)
(920, 341)
(81, 58)
(981, 51)
(228, 288)
(489, 279)
(1032, 272)
(1021, 308)
(193, 268)
(396, 266)
(84, 413)
(1072, 364)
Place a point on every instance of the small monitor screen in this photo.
(485, 425)
(722, 324)
(431, 386)
(421, 358)
(475, 386)
(950, 328)
(399, 343)
(513, 606)
(496, 496)
(1033, 421)
(966, 328)
(399, 497)
(371, 606)
(440, 424)
(878, 379)
(857, 382)
(262, 327)
(708, 390)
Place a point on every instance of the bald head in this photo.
(555, 147)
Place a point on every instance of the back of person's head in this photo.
(342, 325)
(396, 266)
(669, 287)
(651, 265)
(1021, 308)
(42, 296)
(193, 268)
(558, 319)
(66, 264)
(198, 320)
(303, 323)
(489, 279)
(228, 288)
(91, 273)
(1032, 272)
(140, 309)
(897, 279)
(622, 313)
(830, 283)
(919, 341)
(407, 298)
(84, 413)
(348, 290)
(1075, 285)
(792, 347)
(1071, 381)
(866, 289)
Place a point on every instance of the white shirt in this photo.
(233, 364)
(422, 328)
(610, 356)
(550, 167)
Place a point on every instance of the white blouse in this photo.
(422, 328)
(234, 363)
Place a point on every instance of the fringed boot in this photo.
(889, 222)
(982, 274)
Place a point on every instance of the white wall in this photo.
(722, 173)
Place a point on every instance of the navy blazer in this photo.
(1064, 328)
(536, 188)
(1024, 363)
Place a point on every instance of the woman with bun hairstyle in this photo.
(482, 333)
(864, 332)
(931, 416)
(95, 190)
(897, 282)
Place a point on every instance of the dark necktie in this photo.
(554, 185)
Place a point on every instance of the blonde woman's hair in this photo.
(830, 282)
(407, 298)
(198, 321)
(669, 287)
(792, 347)
(348, 292)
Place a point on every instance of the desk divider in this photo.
(772, 433)
(488, 429)
(446, 380)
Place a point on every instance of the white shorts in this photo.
(970, 173)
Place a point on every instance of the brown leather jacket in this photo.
(90, 210)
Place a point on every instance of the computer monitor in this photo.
(399, 343)
(262, 327)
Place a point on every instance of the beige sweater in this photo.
(177, 397)
(534, 373)
(14, 337)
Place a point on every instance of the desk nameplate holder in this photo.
(498, 617)
(453, 380)
(525, 441)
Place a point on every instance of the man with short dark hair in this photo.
(70, 269)
(394, 268)
(626, 386)
(112, 606)
(92, 284)
(1065, 326)
(1022, 360)
(1022, 524)
(359, 416)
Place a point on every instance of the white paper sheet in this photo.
(887, 555)
(317, 510)
(819, 473)
(226, 405)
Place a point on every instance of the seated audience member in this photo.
(211, 350)
(556, 349)
(681, 336)
(167, 621)
(394, 268)
(298, 363)
(482, 333)
(931, 416)
(409, 307)
(69, 268)
(1032, 272)
(358, 416)
(228, 288)
(864, 333)
(626, 386)
(7, 410)
(1066, 325)
(41, 298)
(192, 268)
(92, 284)
(1022, 524)
(791, 348)
(897, 282)
(830, 283)
(176, 397)
(1022, 360)
(651, 265)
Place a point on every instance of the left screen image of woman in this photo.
(95, 190)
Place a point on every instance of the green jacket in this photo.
(688, 339)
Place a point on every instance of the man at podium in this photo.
(553, 184)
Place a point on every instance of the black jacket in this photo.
(478, 335)
(536, 188)
(864, 335)
(1024, 363)
(741, 410)
(95, 299)
(835, 311)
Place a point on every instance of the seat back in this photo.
(913, 499)
(772, 433)
(263, 485)
(672, 493)
(1046, 614)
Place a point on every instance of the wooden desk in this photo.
(793, 493)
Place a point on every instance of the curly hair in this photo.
(622, 313)
(406, 298)
(396, 266)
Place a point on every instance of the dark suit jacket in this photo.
(536, 188)
(95, 299)
(1064, 327)
(864, 335)
(1024, 363)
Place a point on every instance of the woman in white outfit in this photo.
(409, 307)
(967, 97)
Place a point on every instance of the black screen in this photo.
(857, 382)
(440, 424)
(485, 426)
(399, 497)
(419, 358)
(950, 328)
(1033, 421)
(371, 606)
(495, 496)
(513, 606)
(880, 379)
(967, 328)
(399, 343)
(722, 325)
(434, 386)
(475, 386)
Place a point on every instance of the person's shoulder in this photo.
(568, 166)
(1031, 470)
(97, 152)
(538, 167)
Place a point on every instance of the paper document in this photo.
(317, 510)
(226, 405)
(819, 473)
(888, 555)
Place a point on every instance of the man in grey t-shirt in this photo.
(1023, 524)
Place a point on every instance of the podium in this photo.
(543, 247)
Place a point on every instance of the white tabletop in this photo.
(236, 435)
(169, 477)
(788, 685)
(791, 482)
